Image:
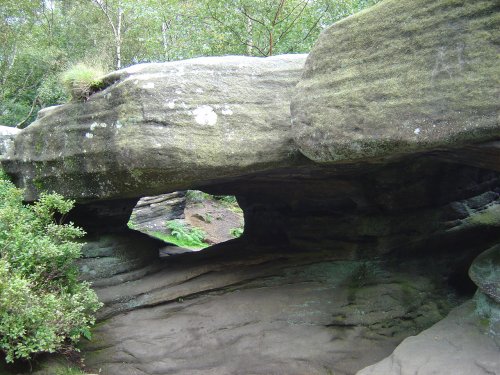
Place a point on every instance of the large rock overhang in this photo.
(162, 127)
(402, 77)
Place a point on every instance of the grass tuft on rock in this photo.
(81, 81)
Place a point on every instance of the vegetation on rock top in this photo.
(82, 80)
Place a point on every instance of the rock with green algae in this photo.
(485, 272)
(162, 127)
(401, 77)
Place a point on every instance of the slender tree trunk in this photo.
(164, 30)
(118, 38)
(249, 35)
(271, 42)
(273, 24)
(117, 29)
(9, 65)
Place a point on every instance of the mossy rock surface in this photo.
(485, 272)
(163, 127)
(401, 77)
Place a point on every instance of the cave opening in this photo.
(188, 221)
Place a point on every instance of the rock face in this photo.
(150, 213)
(485, 272)
(344, 254)
(456, 345)
(163, 127)
(7, 135)
(117, 258)
(273, 314)
(403, 76)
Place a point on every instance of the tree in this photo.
(268, 27)
(114, 12)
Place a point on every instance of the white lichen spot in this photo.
(136, 82)
(205, 115)
(118, 124)
(178, 92)
(416, 131)
(171, 104)
(148, 85)
(199, 91)
(227, 111)
(89, 135)
(98, 125)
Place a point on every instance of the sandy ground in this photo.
(216, 218)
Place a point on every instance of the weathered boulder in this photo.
(402, 77)
(339, 262)
(7, 135)
(163, 127)
(150, 213)
(456, 345)
(485, 270)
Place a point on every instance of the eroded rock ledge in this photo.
(361, 239)
(163, 127)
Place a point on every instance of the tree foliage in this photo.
(43, 305)
(41, 38)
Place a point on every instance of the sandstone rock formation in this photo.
(401, 77)
(362, 241)
(485, 272)
(456, 345)
(163, 127)
(150, 213)
(7, 135)
(268, 315)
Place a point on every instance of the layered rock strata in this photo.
(157, 128)
(361, 240)
(150, 213)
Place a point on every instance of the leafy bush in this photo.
(81, 81)
(43, 306)
(50, 92)
(11, 112)
(185, 235)
(236, 232)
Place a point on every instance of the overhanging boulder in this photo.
(162, 127)
(402, 77)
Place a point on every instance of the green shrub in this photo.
(81, 81)
(227, 199)
(197, 196)
(50, 92)
(236, 232)
(186, 236)
(43, 306)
